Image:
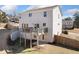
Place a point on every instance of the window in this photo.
(22, 25)
(36, 25)
(44, 24)
(30, 14)
(25, 25)
(45, 14)
(45, 30)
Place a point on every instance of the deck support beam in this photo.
(25, 40)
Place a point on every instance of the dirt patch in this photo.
(2, 25)
(49, 49)
(74, 30)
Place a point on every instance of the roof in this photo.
(38, 8)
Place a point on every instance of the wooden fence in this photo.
(4, 34)
(69, 42)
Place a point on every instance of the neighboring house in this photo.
(13, 19)
(12, 24)
(67, 24)
(48, 19)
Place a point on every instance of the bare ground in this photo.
(49, 49)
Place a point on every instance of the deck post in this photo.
(31, 41)
(20, 39)
(25, 40)
(37, 38)
(20, 35)
(37, 41)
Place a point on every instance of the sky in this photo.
(10, 9)
(67, 10)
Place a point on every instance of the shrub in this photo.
(65, 32)
(9, 42)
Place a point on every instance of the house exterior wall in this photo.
(57, 21)
(38, 17)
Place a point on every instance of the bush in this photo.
(9, 41)
(65, 32)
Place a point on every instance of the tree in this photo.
(3, 17)
(76, 22)
(68, 18)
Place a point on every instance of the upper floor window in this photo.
(45, 14)
(30, 14)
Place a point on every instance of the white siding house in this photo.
(46, 17)
(67, 24)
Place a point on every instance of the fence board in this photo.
(70, 42)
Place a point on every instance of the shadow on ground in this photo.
(64, 46)
(17, 48)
